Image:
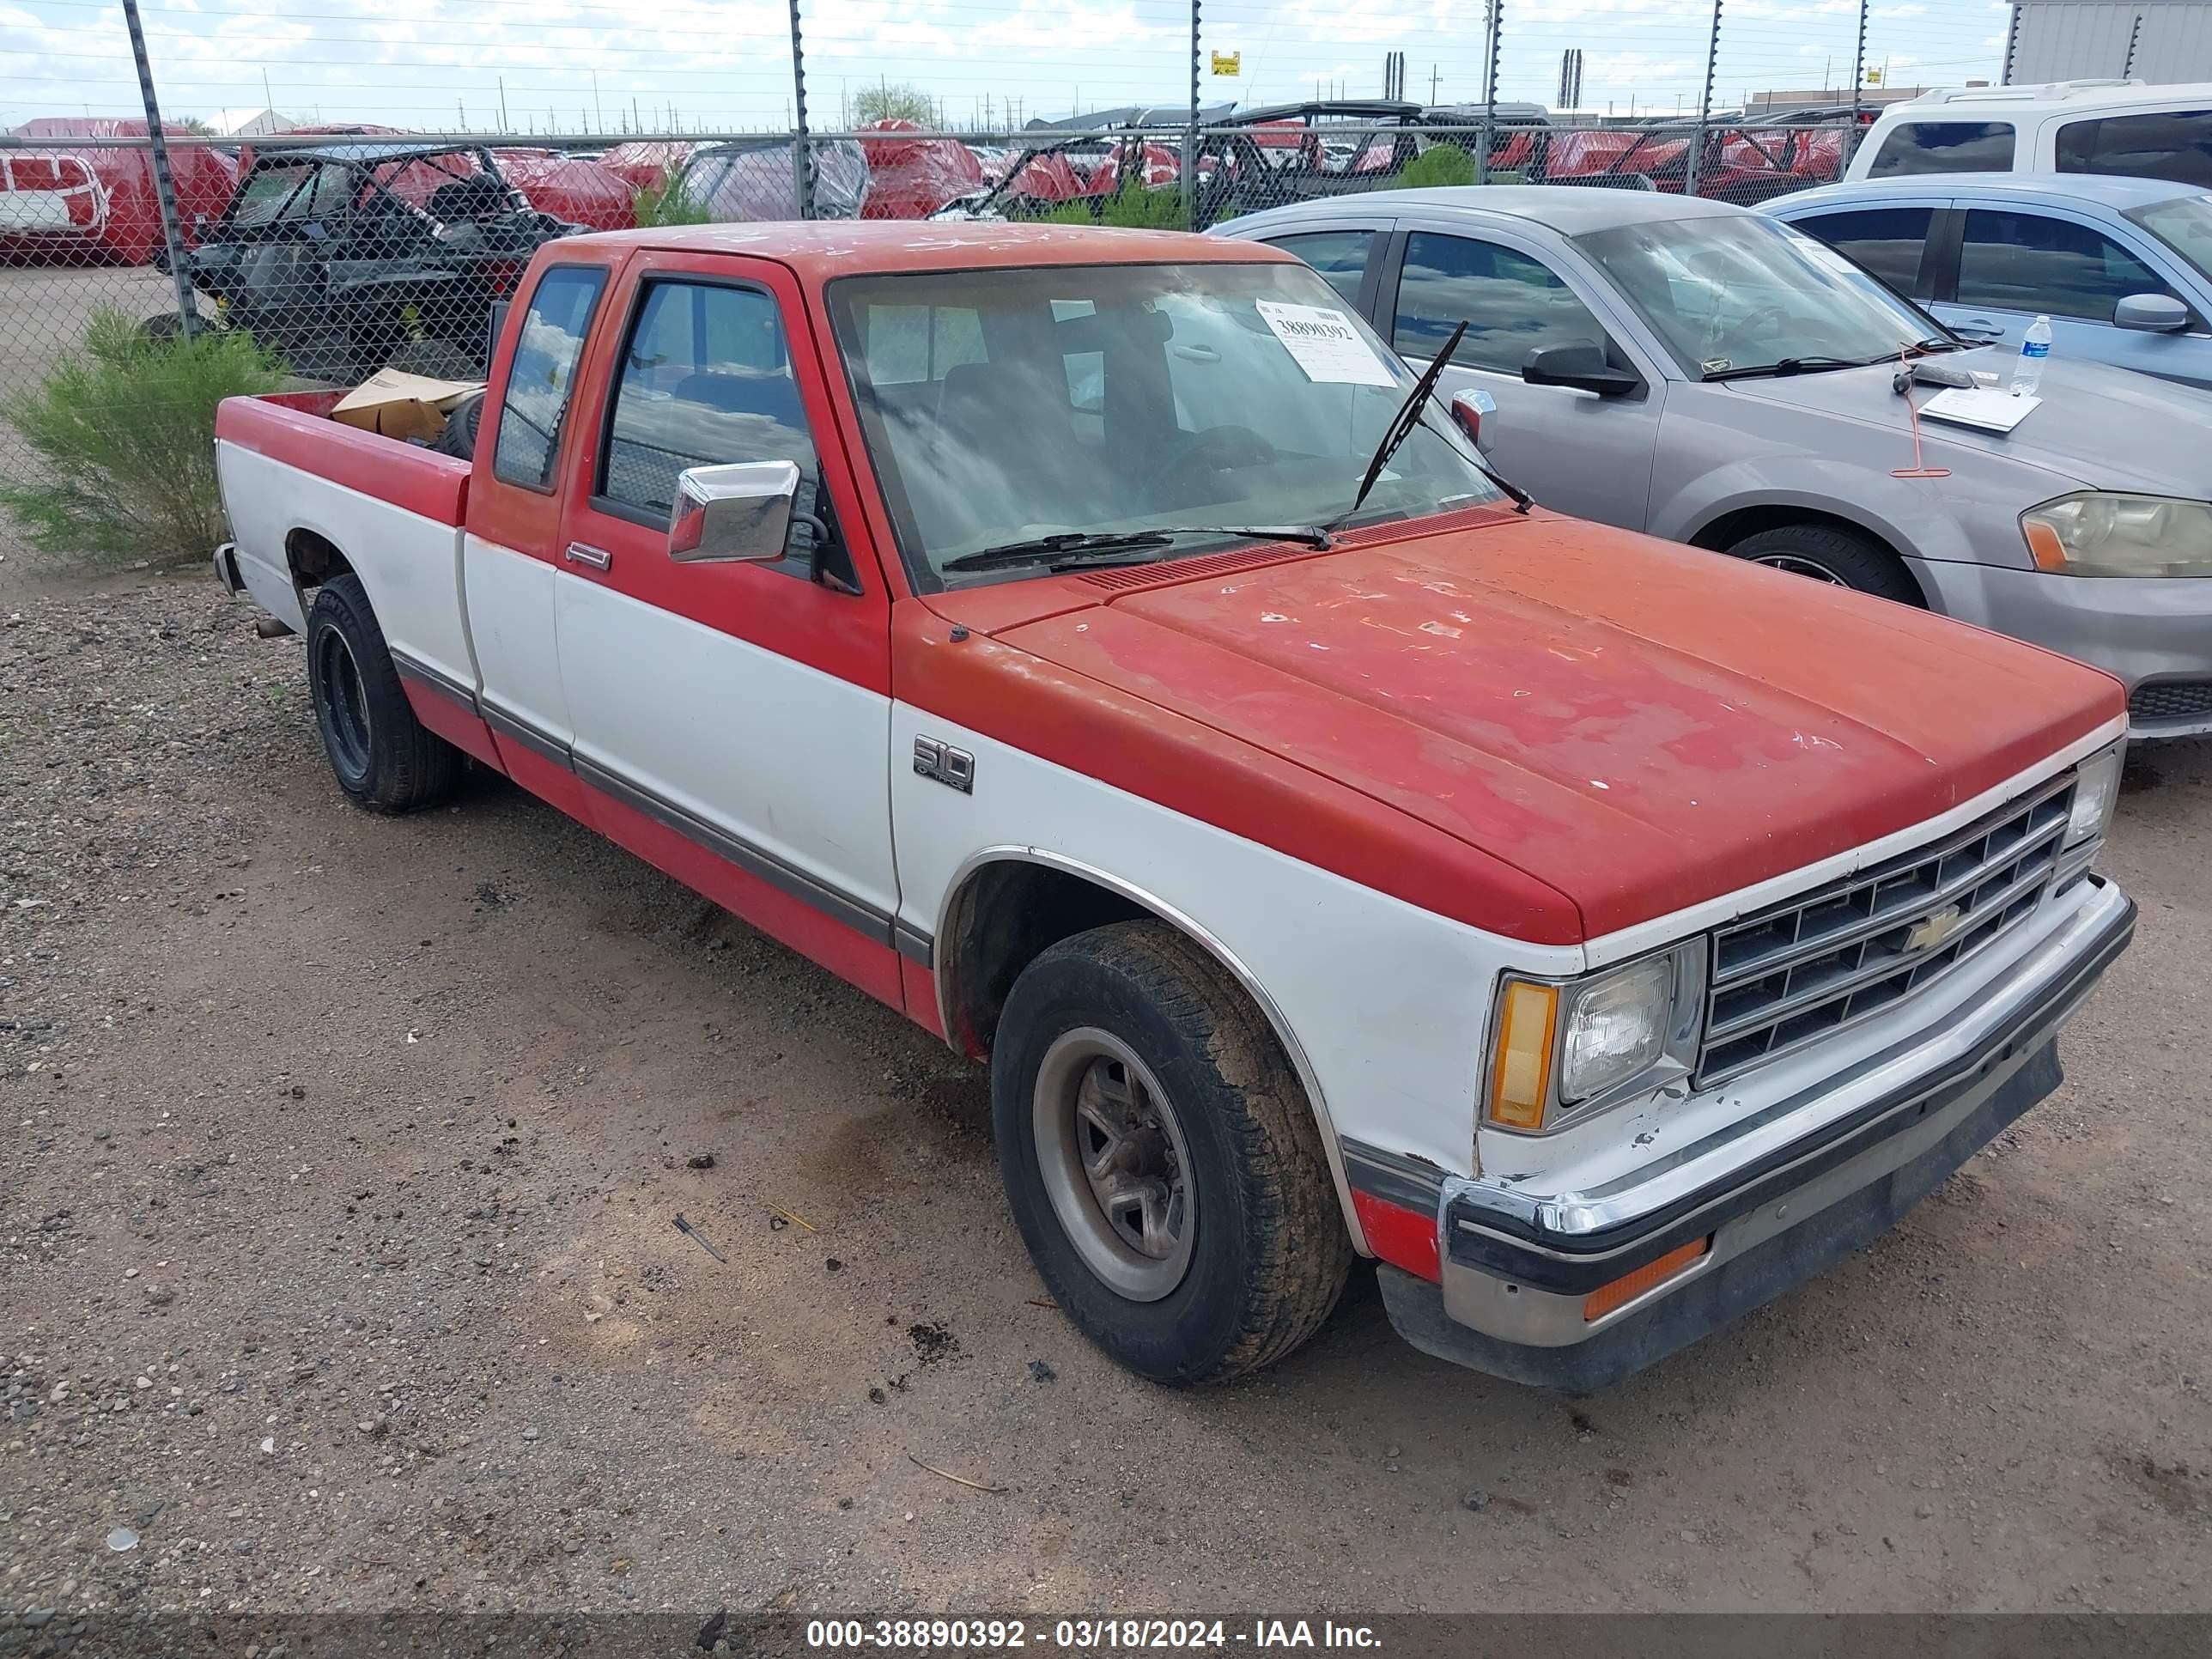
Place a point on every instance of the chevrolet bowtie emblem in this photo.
(1931, 931)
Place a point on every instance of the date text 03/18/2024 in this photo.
(1088, 1635)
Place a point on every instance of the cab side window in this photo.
(1512, 305)
(2030, 262)
(1341, 257)
(1888, 242)
(544, 375)
(1916, 146)
(2174, 145)
(706, 379)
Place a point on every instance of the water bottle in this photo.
(2035, 352)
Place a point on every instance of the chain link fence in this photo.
(323, 257)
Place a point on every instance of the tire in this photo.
(1827, 553)
(384, 758)
(436, 360)
(1133, 1013)
(162, 329)
(459, 437)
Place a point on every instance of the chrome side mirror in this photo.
(2151, 313)
(739, 514)
(1469, 406)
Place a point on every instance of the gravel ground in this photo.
(335, 1229)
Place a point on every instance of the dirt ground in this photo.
(341, 1162)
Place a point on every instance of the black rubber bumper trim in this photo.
(1725, 1293)
(1576, 1263)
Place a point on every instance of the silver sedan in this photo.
(1703, 373)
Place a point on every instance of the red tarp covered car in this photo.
(86, 205)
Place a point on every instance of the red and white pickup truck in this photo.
(1604, 934)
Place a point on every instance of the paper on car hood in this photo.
(2101, 427)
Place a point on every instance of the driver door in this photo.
(734, 719)
(1575, 451)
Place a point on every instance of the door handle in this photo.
(597, 557)
(1981, 329)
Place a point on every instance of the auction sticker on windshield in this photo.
(1325, 344)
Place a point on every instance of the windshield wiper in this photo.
(1402, 423)
(1791, 366)
(1070, 549)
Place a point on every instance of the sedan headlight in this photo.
(2096, 794)
(1563, 1046)
(2095, 534)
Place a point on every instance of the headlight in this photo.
(1561, 1047)
(2096, 794)
(2094, 534)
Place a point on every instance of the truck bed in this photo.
(300, 486)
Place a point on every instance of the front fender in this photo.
(1943, 519)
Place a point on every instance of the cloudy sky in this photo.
(567, 65)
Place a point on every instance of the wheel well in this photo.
(314, 559)
(1729, 528)
(1005, 916)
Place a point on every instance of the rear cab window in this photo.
(1918, 147)
(2175, 143)
(1886, 242)
(542, 377)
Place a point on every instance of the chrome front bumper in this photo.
(1776, 1198)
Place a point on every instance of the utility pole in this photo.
(1433, 84)
(598, 113)
(165, 183)
(502, 102)
(1704, 103)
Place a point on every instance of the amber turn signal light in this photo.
(1604, 1299)
(1521, 1080)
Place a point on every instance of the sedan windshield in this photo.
(1742, 293)
(2183, 224)
(1013, 407)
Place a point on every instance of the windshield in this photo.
(293, 189)
(1737, 292)
(2183, 224)
(1001, 406)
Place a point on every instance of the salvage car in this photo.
(2122, 267)
(350, 256)
(1699, 371)
(1095, 646)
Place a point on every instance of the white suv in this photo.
(2070, 126)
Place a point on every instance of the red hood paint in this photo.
(1638, 725)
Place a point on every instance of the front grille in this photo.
(1793, 974)
(2171, 699)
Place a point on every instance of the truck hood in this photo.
(1637, 725)
(2100, 427)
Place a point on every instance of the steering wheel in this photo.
(1217, 449)
(1766, 317)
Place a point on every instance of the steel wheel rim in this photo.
(1115, 1163)
(344, 700)
(1798, 565)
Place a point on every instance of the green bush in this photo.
(1132, 207)
(659, 205)
(126, 428)
(1436, 168)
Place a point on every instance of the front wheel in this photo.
(1160, 1159)
(1831, 554)
(386, 759)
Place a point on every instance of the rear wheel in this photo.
(1160, 1158)
(1828, 553)
(386, 759)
